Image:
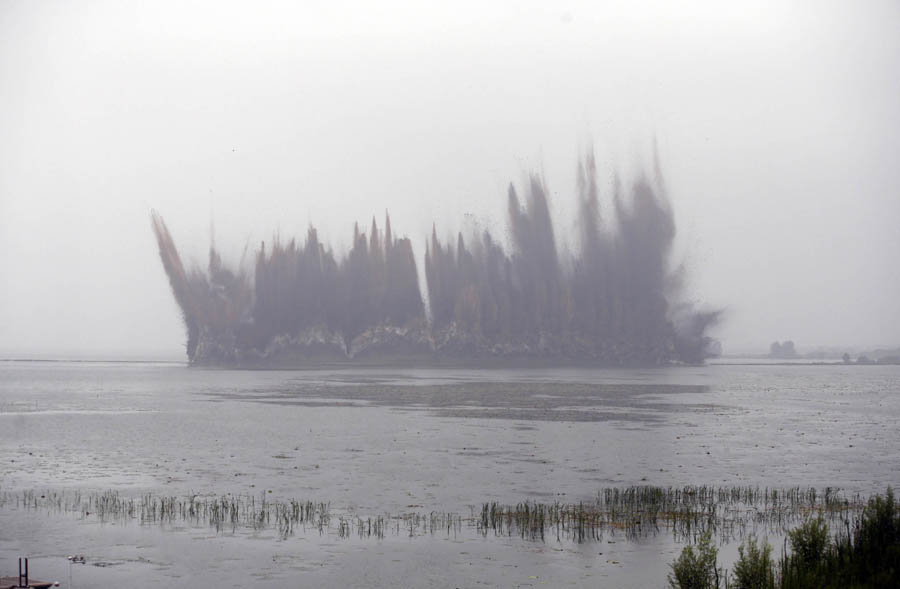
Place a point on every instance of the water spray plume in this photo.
(616, 301)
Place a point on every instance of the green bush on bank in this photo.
(696, 567)
(754, 568)
(866, 556)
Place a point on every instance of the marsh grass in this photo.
(687, 513)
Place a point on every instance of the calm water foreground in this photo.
(382, 441)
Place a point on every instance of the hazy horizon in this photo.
(776, 126)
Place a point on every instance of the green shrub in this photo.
(876, 544)
(754, 568)
(809, 542)
(866, 557)
(695, 567)
(811, 554)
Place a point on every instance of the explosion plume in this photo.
(616, 301)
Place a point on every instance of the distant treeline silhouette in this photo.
(614, 302)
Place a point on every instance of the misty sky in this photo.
(778, 127)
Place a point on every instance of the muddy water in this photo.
(372, 442)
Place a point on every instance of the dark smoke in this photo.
(614, 302)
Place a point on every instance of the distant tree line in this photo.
(784, 351)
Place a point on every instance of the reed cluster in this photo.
(639, 511)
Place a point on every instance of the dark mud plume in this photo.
(615, 301)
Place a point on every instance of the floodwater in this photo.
(389, 441)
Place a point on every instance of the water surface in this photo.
(385, 441)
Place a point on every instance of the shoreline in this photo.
(505, 364)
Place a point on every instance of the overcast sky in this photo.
(778, 127)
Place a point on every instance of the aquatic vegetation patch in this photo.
(816, 555)
(686, 513)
